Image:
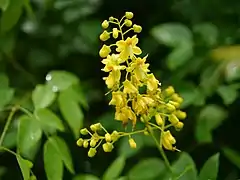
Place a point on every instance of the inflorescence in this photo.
(135, 92)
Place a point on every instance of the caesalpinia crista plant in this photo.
(135, 93)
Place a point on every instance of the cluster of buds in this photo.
(136, 93)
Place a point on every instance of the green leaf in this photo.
(42, 96)
(210, 117)
(29, 136)
(115, 169)
(4, 4)
(210, 168)
(172, 34)
(86, 177)
(232, 155)
(184, 168)
(71, 112)
(61, 80)
(7, 43)
(10, 139)
(147, 169)
(25, 167)
(208, 32)
(53, 164)
(4, 80)
(228, 93)
(63, 151)
(6, 95)
(11, 15)
(180, 55)
(49, 120)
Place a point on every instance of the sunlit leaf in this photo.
(63, 151)
(71, 112)
(228, 93)
(210, 117)
(86, 177)
(232, 70)
(208, 32)
(232, 155)
(147, 169)
(10, 139)
(42, 96)
(29, 136)
(61, 80)
(11, 15)
(172, 34)
(53, 164)
(184, 168)
(4, 4)
(210, 168)
(49, 121)
(115, 169)
(25, 167)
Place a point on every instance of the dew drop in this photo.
(48, 77)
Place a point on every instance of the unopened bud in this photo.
(108, 137)
(137, 28)
(173, 119)
(132, 143)
(128, 22)
(181, 114)
(80, 142)
(129, 15)
(104, 51)
(92, 152)
(93, 128)
(107, 147)
(179, 126)
(85, 143)
(115, 33)
(105, 24)
(169, 91)
(158, 119)
(170, 107)
(114, 136)
(84, 131)
(104, 36)
(93, 142)
(176, 104)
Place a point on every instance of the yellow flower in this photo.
(118, 99)
(128, 47)
(168, 140)
(140, 105)
(125, 113)
(129, 87)
(132, 143)
(113, 79)
(139, 68)
(112, 63)
(104, 51)
(152, 82)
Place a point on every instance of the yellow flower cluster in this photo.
(136, 93)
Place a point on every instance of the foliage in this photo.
(51, 87)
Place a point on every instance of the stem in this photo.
(159, 146)
(9, 119)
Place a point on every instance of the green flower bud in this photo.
(85, 143)
(80, 142)
(84, 131)
(107, 147)
(92, 152)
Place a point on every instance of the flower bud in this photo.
(107, 147)
(166, 144)
(114, 136)
(105, 24)
(115, 33)
(92, 152)
(93, 142)
(176, 104)
(158, 119)
(80, 142)
(170, 107)
(169, 91)
(111, 18)
(181, 114)
(129, 15)
(85, 143)
(108, 137)
(173, 119)
(132, 143)
(137, 28)
(146, 133)
(93, 127)
(179, 126)
(104, 36)
(104, 51)
(175, 97)
(128, 22)
(84, 131)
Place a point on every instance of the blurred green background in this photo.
(192, 45)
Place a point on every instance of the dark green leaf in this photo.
(29, 136)
(184, 168)
(228, 93)
(210, 117)
(71, 112)
(43, 96)
(147, 169)
(232, 155)
(49, 120)
(25, 167)
(4, 80)
(63, 151)
(53, 164)
(210, 168)
(115, 169)
(10, 139)
(172, 34)
(7, 43)
(4, 4)
(86, 177)
(10, 17)
(61, 80)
